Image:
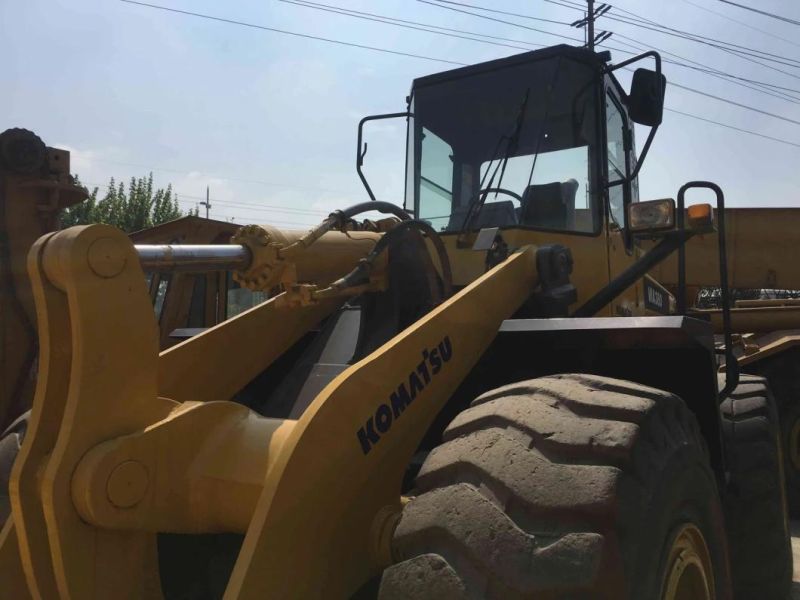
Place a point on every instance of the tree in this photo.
(137, 208)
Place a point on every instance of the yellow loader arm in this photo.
(114, 455)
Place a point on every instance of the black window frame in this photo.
(613, 89)
(598, 176)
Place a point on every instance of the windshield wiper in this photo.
(544, 122)
(476, 204)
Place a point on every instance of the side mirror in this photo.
(646, 219)
(646, 98)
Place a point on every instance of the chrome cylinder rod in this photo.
(193, 257)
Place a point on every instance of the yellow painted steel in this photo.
(199, 470)
(780, 342)
(327, 496)
(589, 253)
(759, 244)
(758, 319)
(117, 451)
(240, 348)
(331, 255)
(12, 575)
(55, 361)
(690, 572)
(112, 370)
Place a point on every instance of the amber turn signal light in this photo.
(700, 216)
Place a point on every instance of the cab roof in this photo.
(578, 53)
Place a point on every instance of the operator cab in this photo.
(518, 143)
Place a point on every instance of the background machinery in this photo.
(487, 394)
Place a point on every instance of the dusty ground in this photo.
(796, 553)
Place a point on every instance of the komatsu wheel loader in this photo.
(487, 397)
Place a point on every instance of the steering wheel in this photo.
(487, 191)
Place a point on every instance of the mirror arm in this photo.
(640, 161)
(656, 56)
(645, 148)
(360, 154)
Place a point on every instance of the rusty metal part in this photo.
(35, 185)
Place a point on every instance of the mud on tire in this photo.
(567, 486)
(755, 504)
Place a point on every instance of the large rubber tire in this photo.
(569, 486)
(755, 503)
(10, 443)
(783, 373)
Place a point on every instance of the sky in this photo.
(268, 121)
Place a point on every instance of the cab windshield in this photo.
(509, 147)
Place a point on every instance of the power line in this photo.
(762, 12)
(503, 12)
(736, 53)
(744, 55)
(642, 22)
(230, 21)
(225, 178)
(707, 68)
(683, 87)
(238, 203)
(726, 125)
(742, 23)
(293, 33)
(708, 41)
(488, 18)
(225, 216)
(734, 103)
(732, 51)
(389, 21)
(772, 90)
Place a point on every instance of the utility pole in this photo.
(207, 204)
(587, 24)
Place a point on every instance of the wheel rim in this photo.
(794, 445)
(689, 574)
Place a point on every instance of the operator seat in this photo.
(549, 205)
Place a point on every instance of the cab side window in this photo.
(617, 160)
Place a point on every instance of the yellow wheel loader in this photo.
(486, 397)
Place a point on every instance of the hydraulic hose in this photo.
(337, 220)
(362, 271)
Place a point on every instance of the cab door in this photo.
(619, 162)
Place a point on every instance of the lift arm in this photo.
(120, 461)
